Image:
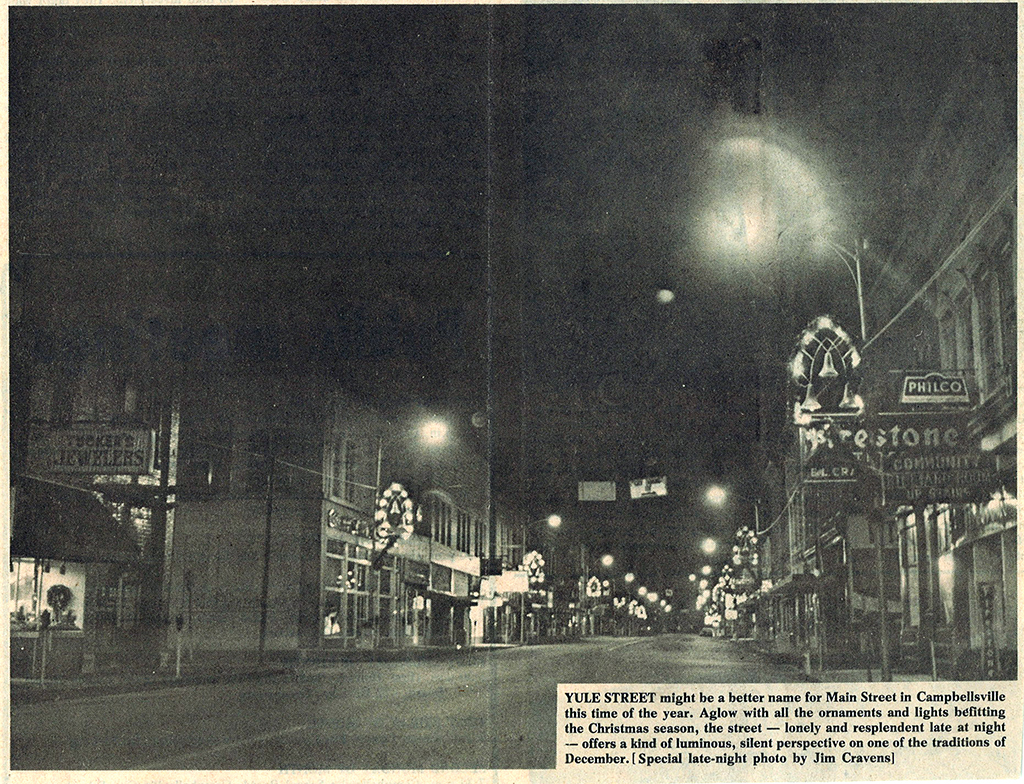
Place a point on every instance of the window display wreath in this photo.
(59, 598)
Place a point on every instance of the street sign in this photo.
(596, 491)
(648, 488)
(943, 478)
(826, 454)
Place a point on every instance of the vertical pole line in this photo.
(489, 213)
(522, 606)
(376, 484)
(377, 563)
(860, 301)
(265, 584)
(492, 519)
(883, 602)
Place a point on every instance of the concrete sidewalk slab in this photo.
(24, 691)
(223, 669)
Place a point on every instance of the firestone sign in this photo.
(93, 449)
(918, 458)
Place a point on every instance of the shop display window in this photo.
(56, 588)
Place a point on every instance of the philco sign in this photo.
(93, 449)
(934, 388)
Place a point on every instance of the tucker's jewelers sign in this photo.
(92, 449)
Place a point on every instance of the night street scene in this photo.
(376, 369)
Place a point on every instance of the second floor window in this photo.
(345, 460)
(990, 349)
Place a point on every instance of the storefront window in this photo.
(356, 575)
(911, 588)
(333, 613)
(384, 617)
(358, 615)
(946, 566)
(943, 528)
(357, 597)
(56, 588)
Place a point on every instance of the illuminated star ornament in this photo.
(824, 369)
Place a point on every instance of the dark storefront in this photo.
(75, 584)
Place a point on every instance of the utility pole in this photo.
(267, 529)
(877, 516)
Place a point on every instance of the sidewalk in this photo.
(861, 676)
(24, 690)
(221, 669)
(835, 675)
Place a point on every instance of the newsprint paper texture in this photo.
(147, 143)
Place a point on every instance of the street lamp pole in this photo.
(852, 263)
(267, 531)
(851, 260)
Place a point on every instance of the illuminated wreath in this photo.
(396, 513)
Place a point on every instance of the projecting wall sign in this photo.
(922, 457)
(92, 449)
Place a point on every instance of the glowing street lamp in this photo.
(716, 495)
(434, 432)
(554, 521)
(607, 561)
(709, 546)
(629, 577)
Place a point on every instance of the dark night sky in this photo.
(332, 185)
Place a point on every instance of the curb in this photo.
(27, 692)
(30, 692)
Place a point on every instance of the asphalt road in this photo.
(479, 710)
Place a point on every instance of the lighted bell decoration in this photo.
(849, 401)
(828, 369)
(810, 401)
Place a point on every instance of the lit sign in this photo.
(824, 369)
(934, 388)
(395, 514)
(922, 457)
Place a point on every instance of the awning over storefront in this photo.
(794, 584)
(59, 522)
